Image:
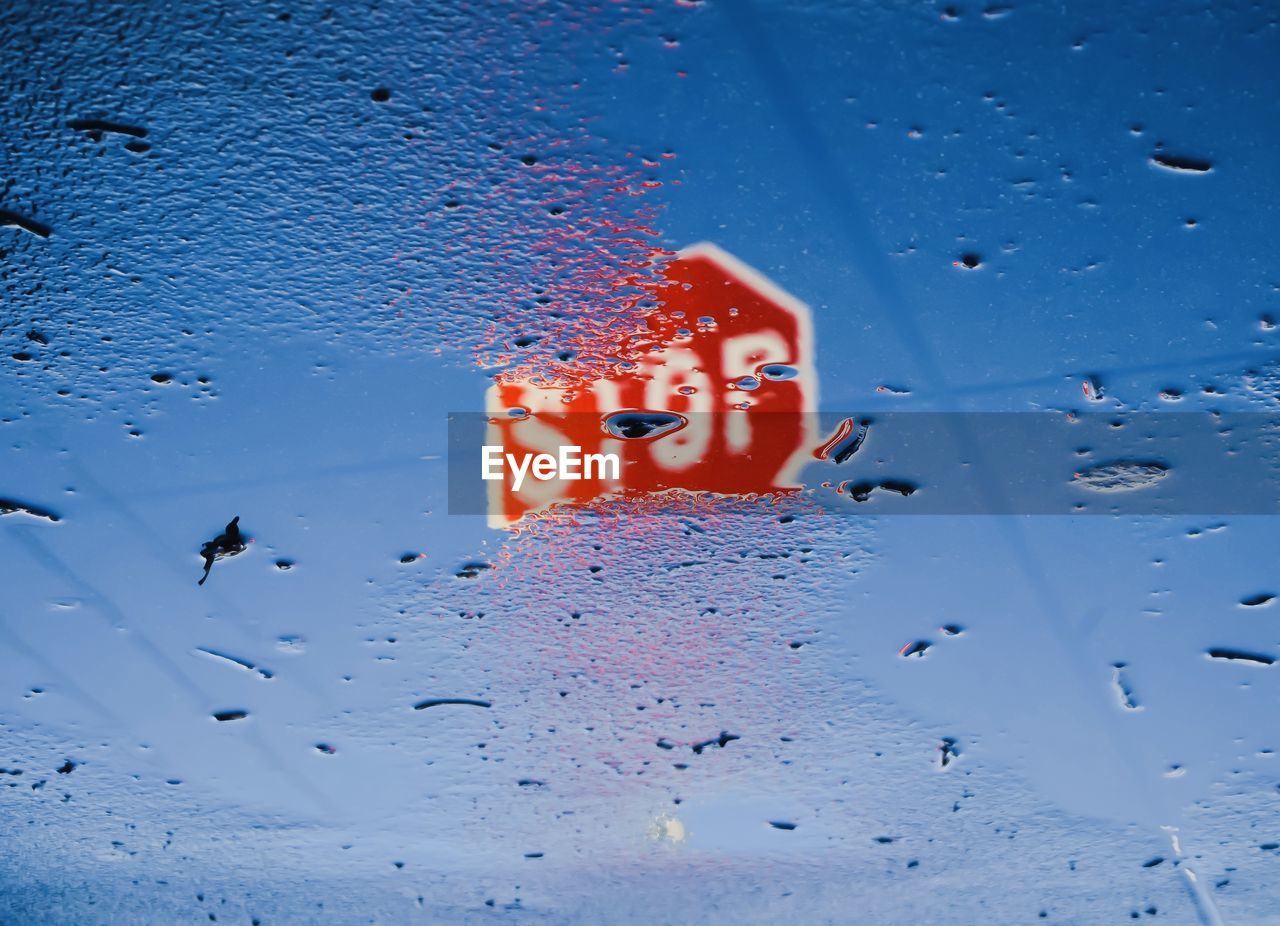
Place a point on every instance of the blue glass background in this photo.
(290, 239)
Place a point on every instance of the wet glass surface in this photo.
(256, 257)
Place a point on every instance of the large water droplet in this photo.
(642, 425)
(1122, 476)
(779, 371)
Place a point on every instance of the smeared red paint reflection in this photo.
(636, 639)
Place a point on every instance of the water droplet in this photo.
(779, 371)
(229, 543)
(861, 491)
(1237, 655)
(1181, 164)
(643, 425)
(437, 702)
(235, 661)
(1124, 691)
(1122, 476)
(948, 751)
(9, 506)
(12, 219)
(844, 441)
(723, 740)
(472, 569)
(98, 127)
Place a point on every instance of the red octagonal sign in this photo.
(719, 404)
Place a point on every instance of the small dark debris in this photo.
(782, 825)
(224, 716)
(380, 94)
(724, 739)
(67, 767)
(228, 543)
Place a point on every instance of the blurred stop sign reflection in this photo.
(727, 382)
